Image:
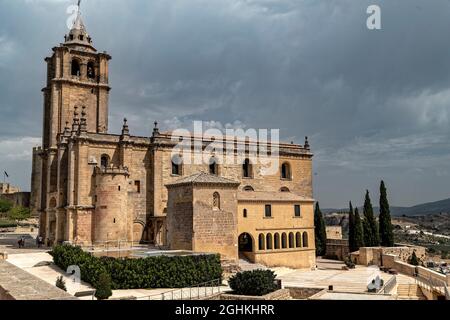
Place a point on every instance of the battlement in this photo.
(112, 170)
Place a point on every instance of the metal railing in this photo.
(433, 285)
(199, 291)
(388, 286)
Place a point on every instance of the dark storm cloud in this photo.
(375, 103)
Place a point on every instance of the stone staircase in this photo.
(410, 292)
(246, 265)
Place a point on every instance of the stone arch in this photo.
(246, 242)
(91, 70)
(298, 240)
(285, 189)
(248, 189)
(291, 240)
(138, 231)
(284, 243)
(177, 165)
(247, 169)
(286, 173)
(75, 67)
(213, 166)
(104, 161)
(216, 200)
(277, 241)
(269, 241)
(261, 244)
(305, 239)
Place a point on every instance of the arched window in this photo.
(291, 240)
(285, 189)
(247, 169)
(249, 188)
(177, 163)
(91, 70)
(298, 240)
(285, 171)
(284, 241)
(269, 242)
(75, 68)
(305, 239)
(245, 213)
(216, 200)
(277, 241)
(104, 161)
(213, 167)
(261, 242)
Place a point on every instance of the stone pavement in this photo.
(354, 280)
(8, 243)
(17, 284)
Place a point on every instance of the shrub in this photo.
(19, 213)
(60, 283)
(144, 273)
(253, 283)
(103, 287)
(7, 224)
(5, 205)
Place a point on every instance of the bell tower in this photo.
(77, 76)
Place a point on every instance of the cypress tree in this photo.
(359, 235)
(320, 232)
(351, 230)
(386, 231)
(371, 237)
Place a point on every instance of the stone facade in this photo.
(334, 232)
(92, 187)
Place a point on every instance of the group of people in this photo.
(39, 242)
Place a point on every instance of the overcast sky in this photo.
(375, 104)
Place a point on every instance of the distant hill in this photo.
(418, 210)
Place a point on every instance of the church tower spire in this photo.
(78, 36)
(76, 75)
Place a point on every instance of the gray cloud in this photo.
(375, 103)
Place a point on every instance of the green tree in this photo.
(413, 260)
(5, 205)
(351, 229)
(359, 234)
(60, 283)
(19, 213)
(103, 287)
(385, 222)
(371, 236)
(320, 232)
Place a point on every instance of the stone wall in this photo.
(334, 232)
(338, 249)
(302, 293)
(282, 294)
(17, 284)
(215, 229)
(373, 256)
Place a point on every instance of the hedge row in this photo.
(7, 224)
(142, 273)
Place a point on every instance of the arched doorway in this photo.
(245, 243)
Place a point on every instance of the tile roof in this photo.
(203, 178)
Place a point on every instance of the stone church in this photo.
(92, 187)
